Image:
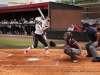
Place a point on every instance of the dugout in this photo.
(61, 15)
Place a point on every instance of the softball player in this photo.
(74, 48)
(38, 36)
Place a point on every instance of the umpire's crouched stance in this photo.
(94, 42)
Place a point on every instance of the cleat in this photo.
(48, 55)
(25, 52)
(88, 55)
(75, 61)
(96, 59)
(71, 57)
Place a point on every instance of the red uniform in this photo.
(72, 43)
(77, 29)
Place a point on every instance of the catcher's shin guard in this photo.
(71, 53)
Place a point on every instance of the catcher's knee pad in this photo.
(65, 51)
(68, 50)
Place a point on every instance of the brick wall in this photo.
(62, 19)
(94, 10)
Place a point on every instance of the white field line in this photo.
(41, 60)
(37, 54)
(61, 56)
(4, 53)
(8, 55)
(50, 65)
(27, 61)
(57, 63)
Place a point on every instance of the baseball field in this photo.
(13, 61)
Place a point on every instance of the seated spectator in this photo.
(19, 29)
(76, 28)
(71, 28)
(31, 21)
(98, 27)
(12, 22)
(16, 27)
(5, 22)
(26, 26)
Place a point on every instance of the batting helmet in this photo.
(68, 34)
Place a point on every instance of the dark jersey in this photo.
(72, 43)
(92, 34)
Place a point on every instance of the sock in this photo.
(45, 36)
(31, 47)
(46, 49)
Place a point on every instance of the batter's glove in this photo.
(52, 44)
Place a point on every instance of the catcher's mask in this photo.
(67, 35)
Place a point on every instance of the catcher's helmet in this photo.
(68, 34)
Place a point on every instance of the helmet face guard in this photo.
(68, 34)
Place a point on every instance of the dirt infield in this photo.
(14, 62)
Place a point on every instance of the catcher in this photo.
(73, 49)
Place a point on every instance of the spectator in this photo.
(32, 26)
(22, 29)
(12, 22)
(9, 28)
(76, 28)
(5, 22)
(26, 26)
(31, 21)
(2, 27)
(22, 19)
(71, 28)
(19, 29)
(16, 27)
(98, 27)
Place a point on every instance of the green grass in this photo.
(17, 43)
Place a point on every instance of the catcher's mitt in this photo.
(52, 44)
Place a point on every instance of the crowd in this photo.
(74, 28)
(17, 29)
(25, 28)
(22, 26)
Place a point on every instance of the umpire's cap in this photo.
(85, 25)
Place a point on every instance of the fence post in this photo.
(30, 30)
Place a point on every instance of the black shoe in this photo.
(96, 59)
(88, 55)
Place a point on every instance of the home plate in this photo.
(32, 59)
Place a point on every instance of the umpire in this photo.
(93, 44)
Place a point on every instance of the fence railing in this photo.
(4, 28)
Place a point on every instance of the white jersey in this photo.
(4, 22)
(70, 29)
(43, 23)
(19, 25)
(11, 22)
(38, 29)
(31, 22)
